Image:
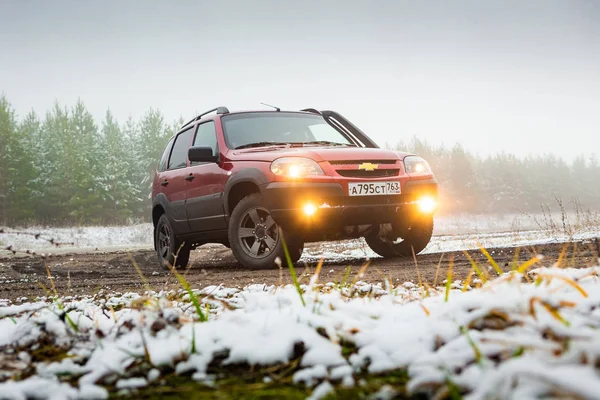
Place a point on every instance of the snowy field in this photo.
(450, 234)
(521, 335)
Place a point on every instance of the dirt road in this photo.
(85, 274)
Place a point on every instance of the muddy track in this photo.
(87, 273)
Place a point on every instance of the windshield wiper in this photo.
(261, 144)
(315, 142)
(326, 142)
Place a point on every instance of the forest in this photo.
(65, 168)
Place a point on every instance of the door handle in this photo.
(164, 183)
(189, 178)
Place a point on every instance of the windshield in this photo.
(265, 128)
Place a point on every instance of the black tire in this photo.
(167, 246)
(254, 237)
(419, 235)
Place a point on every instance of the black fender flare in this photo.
(160, 200)
(246, 175)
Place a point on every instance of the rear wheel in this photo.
(416, 239)
(169, 250)
(255, 238)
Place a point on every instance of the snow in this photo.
(40, 388)
(131, 383)
(459, 232)
(517, 336)
(321, 391)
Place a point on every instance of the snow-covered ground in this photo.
(451, 233)
(517, 336)
(352, 249)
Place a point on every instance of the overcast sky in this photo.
(518, 76)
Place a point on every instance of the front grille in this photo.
(358, 162)
(360, 173)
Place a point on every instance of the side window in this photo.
(178, 157)
(162, 165)
(206, 136)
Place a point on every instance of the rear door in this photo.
(173, 181)
(205, 185)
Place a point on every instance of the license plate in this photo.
(373, 188)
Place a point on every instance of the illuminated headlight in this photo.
(295, 167)
(416, 165)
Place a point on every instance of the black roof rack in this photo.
(219, 110)
(343, 125)
(311, 110)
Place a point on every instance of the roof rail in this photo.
(340, 123)
(311, 110)
(219, 110)
(334, 118)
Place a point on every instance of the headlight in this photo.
(295, 167)
(416, 165)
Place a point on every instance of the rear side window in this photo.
(206, 136)
(162, 165)
(178, 157)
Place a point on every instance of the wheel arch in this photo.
(159, 208)
(240, 185)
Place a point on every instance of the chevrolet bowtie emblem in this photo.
(368, 166)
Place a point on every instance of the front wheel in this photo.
(169, 250)
(255, 238)
(416, 239)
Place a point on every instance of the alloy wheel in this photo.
(164, 241)
(258, 233)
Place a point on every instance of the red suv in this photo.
(254, 180)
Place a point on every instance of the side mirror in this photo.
(201, 154)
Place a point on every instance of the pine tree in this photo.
(9, 153)
(89, 187)
(55, 175)
(150, 142)
(463, 181)
(120, 191)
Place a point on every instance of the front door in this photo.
(205, 186)
(173, 181)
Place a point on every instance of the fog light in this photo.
(427, 204)
(309, 209)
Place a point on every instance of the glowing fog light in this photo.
(427, 204)
(309, 209)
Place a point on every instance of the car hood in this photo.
(319, 154)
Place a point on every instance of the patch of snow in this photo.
(131, 383)
(153, 375)
(322, 390)
(310, 376)
(510, 337)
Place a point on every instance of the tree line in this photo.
(503, 182)
(65, 168)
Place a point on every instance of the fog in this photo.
(516, 76)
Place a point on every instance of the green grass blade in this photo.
(490, 259)
(288, 259)
(193, 297)
(478, 271)
(449, 280)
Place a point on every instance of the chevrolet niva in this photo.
(257, 181)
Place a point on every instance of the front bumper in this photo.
(335, 209)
